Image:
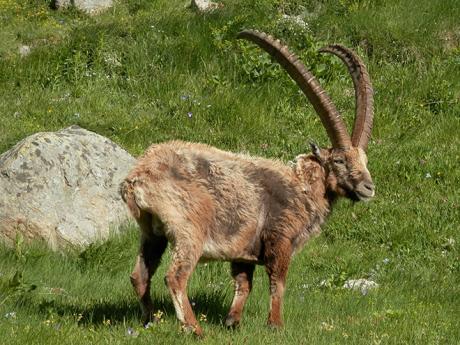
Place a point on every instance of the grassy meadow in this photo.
(147, 71)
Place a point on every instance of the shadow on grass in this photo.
(97, 313)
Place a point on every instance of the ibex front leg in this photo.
(185, 258)
(277, 262)
(242, 274)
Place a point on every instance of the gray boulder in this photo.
(88, 6)
(62, 187)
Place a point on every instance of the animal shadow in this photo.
(210, 306)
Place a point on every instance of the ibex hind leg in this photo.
(151, 249)
(185, 256)
(242, 274)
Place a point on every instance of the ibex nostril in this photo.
(369, 186)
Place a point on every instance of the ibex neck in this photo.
(313, 178)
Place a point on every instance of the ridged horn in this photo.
(364, 110)
(323, 105)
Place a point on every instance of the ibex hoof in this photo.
(275, 325)
(193, 329)
(231, 322)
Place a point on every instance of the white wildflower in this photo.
(130, 332)
(10, 315)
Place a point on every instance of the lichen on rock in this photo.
(62, 187)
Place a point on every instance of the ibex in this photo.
(216, 205)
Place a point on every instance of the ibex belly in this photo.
(236, 239)
(225, 252)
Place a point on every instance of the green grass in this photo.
(135, 72)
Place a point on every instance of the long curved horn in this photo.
(364, 112)
(323, 105)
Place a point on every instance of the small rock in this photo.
(24, 50)
(88, 6)
(205, 5)
(362, 285)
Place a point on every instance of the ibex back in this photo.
(212, 204)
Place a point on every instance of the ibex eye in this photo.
(339, 161)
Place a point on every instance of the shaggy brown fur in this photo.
(211, 204)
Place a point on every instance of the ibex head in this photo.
(346, 162)
(347, 172)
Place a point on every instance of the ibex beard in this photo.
(215, 205)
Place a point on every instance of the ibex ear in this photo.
(317, 152)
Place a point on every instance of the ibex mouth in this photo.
(365, 191)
